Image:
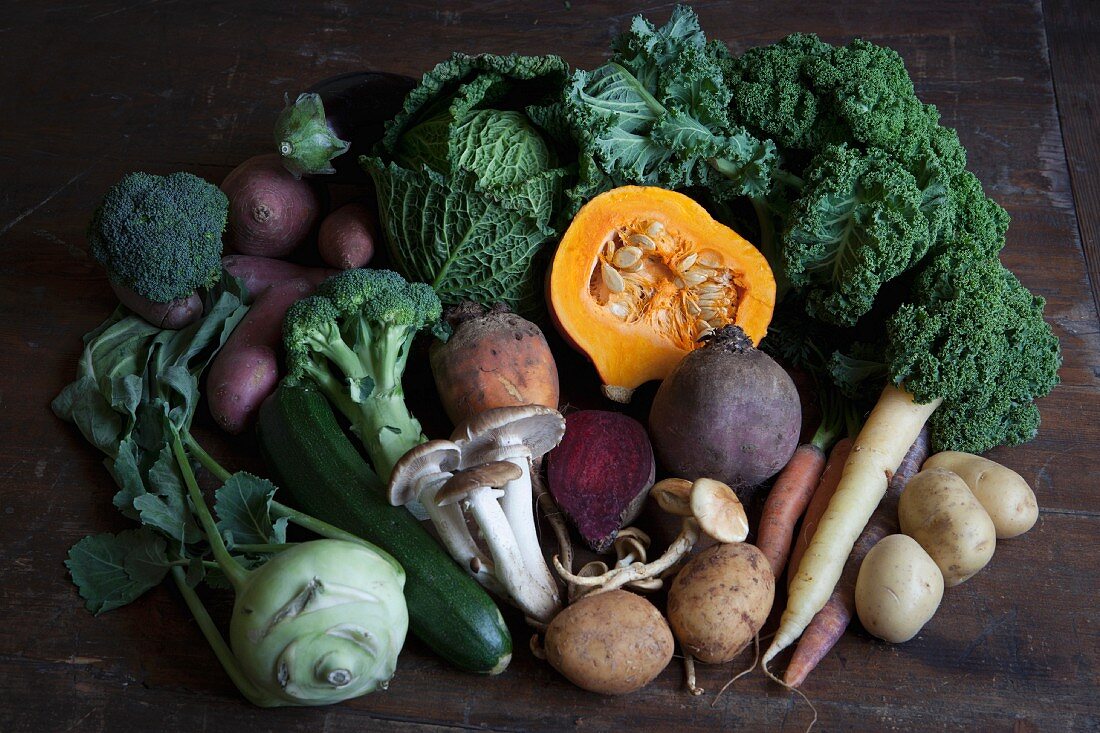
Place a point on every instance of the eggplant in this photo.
(336, 120)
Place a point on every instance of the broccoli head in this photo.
(352, 341)
(160, 236)
(975, 337)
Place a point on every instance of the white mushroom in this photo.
(478, 489)
(419, 476)
(519, 435)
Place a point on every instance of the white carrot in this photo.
(878, 450)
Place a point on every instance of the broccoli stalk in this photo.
(352, 341)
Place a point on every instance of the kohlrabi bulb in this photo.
(321, 622)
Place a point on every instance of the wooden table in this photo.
(92, 90)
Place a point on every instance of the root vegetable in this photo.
(246, 370)
(827, 626)
(347, 236)
(898, 589)
(173, 314)
(787, 500)
(1003, 493)
(727, 412)
(270, 211)
(938, 511)
(601, 473)
(719, 601)
(611, 643)
(494, 358)
(260, 273)
(826, 487)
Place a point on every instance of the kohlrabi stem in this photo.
(263, 549)
(217, 642)
(232, 569)
(325, 529)
(206, 459)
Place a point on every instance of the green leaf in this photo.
(243, 508)
(127, 474)
(166, 507)
(113, 570)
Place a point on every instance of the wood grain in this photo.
(92, 90)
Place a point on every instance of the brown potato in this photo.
(1004, 494)
(611, 643)
(720, 599)
(898, 589)
(938, 511)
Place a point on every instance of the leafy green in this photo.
(470, 176)
(243, 508)
(113, 570)
(657, 114)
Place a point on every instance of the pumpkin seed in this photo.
(687, 262)
(694, 277)
(655, 229)
(709, 258)
(627, 256)
(611, 278)
(619, 309)
(642, 241)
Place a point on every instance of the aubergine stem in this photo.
(304, 138)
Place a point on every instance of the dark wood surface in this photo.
(92, 90)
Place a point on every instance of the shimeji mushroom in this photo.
(419, 476)
(706, 505)
(519, 435)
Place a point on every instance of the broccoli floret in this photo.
(857, 225)
(352, 340)
(975, 337)
(160, 236)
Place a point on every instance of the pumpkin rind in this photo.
(628, 351)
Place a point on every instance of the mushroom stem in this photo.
(519, 508)
(453, 531)
(619, 576)
(511, 570)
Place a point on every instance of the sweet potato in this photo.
(173, 314)
(493, 359)
(260, 273)
(347, 236)
(270, 211)
(246, 370)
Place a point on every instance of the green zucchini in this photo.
(327, 478)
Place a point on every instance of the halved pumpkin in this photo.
(642, 274)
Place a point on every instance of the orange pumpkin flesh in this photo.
(642, 273)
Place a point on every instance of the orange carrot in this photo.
(828, 624)
(786, 502)
(830, 479)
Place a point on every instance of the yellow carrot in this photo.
(877, 452)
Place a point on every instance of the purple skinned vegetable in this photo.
(336, 120)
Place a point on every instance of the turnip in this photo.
(726, 412)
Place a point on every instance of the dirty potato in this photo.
(719, 600)
(898, 589)
(611, 643)
(938, 510)
(1003, 493)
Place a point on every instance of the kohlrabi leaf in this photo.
(127, 474)
(113, 570)
(243, 508)
(165, 507)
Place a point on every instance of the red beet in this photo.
(601, 473)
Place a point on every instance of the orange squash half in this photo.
(642, 274)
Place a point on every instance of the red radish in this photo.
(270, 211)
(260, 273)
(246, 370)
(173, 314)
(347, 236)
(601, 473)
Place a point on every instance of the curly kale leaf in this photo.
(657, 114)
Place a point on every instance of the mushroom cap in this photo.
(433, 457)
(719, 511)
(673, 495)
(534, 429)
(482, 476)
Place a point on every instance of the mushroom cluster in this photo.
(483, 476)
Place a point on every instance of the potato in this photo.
(611, 643)
(1004, 494)
(720, 599)
(938, 511)
(898, 589)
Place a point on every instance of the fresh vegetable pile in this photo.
(716, 222)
